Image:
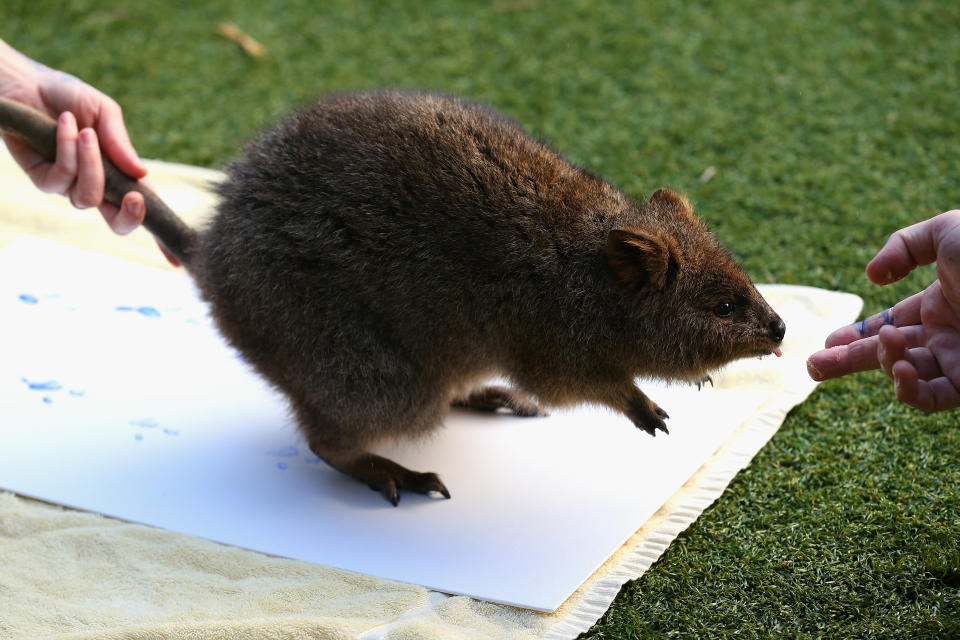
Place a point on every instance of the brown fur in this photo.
(377, 256)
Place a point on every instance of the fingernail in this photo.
(86, 136)
(812, 371)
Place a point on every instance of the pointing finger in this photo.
(859, 355)
(840, 360)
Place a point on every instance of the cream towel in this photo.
(69, 574)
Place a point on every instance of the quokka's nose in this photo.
(777, 329)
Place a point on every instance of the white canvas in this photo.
(117, 396)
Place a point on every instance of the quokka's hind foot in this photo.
(495, 398)
(382, 474)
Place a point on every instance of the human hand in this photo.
(916, 342)
(86, 121)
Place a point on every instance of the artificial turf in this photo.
(828, 125)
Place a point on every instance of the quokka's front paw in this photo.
(647, 415)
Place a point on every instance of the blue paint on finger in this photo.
(871, 325)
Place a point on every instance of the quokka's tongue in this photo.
(778, 353)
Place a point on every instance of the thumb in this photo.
(909, 248)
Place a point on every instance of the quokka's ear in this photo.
(669, 200)
(639, 258)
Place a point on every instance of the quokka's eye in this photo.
(723, 310)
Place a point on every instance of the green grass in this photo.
(830, 125)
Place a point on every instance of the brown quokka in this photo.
(378, 256)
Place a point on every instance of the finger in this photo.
(945, 395)
(910, 247)
(128, 216)
(928, 396)
(845, 335)
(88, 190)
(907, 311)
(891, 347)
(906, 384)
(859, 355)
(116, 142)
(924, 362)
(841, 360)
(59, 177)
